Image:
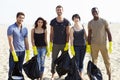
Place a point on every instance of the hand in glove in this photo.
(72, 50)
(88, 48)
(35, 52)
(27, 55)
(50, 46)
(48, 51)
(110, 47)
(15, 57)
(66, 46)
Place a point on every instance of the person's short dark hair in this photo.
(44, 23)
(59, 6)
(94, 9)
(76, 16)
(20, 13)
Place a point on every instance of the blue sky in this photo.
(109, 9)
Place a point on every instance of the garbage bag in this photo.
(73, 73)
(63, 63)
(93, 71)
(31, 68)
(16, 73)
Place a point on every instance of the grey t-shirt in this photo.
(98, 28)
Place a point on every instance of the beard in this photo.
(59, 14)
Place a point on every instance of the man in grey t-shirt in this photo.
(98, 31)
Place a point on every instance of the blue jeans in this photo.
(41, 58)
(21, 56)
(79, 56)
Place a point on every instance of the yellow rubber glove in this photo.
(88, 48)
(48, 51)
(110, 47)
(66, 46)
(72, 50)
(50, 46)
(27, 55)
(15, 57)
(35, 52)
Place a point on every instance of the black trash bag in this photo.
(63, 63)
(73, 73)
(16, 73)
(31, 68)
(93, 71)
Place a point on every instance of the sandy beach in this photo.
(115, 56)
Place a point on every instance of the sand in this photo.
(115, 56)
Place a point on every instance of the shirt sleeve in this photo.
(9, 31)
(52, 23)
(89, 25)
(68, 23)
(26, 33)
(106, 24)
